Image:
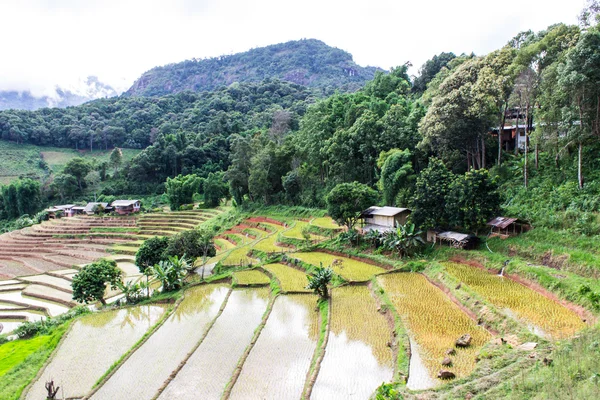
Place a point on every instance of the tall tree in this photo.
(431, 190)
(346, 201)
(79, 168)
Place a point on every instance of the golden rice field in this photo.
(434, 322)
(291, 279)
(202, 377)
(277, 366)
(296, 231)
(268, 244)
(357, 359)
(238, 256)
(224, 245)
(101, 337)
(325, 222)
(250, 277)
(162, 353)
(551, 317)
(349, 269)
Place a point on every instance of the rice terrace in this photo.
(252, 329)
(188, 212)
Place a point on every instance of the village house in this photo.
(65, 210)
(91, 208)
(383, 219)
(125, 207)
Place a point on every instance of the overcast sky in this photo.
(50, 42)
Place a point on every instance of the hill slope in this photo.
(307, 62)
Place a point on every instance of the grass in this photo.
(115, 229)
(573, 373)
(28, 160)
(250, 277)
(434, 322)
(348, 268)
(224, 245)
(268, 244)
(551, 317)
(296, 231)
(22, 359)
(239, 256)
(291, 279)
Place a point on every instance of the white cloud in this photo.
(59, 42)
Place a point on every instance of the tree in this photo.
(65, 185)
(181, 189)
(430, 194)
(28, 196)
(90, 283)
(396, 172)
(215, 189)
(472, 200)
(580, 79)
(346, 201)
(171, 272)
(319, 281)
(79, 168)
(116, 158)
(151, 252)
(191, 244)
(430, 69)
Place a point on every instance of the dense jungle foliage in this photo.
(413, 139)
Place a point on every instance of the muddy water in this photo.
(202, 377)
(357, 358)
(142, 375)
(93, 344)
(277, 365)
(418, 375)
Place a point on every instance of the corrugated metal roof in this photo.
(501, 222)
(384, 211)
(459, 237)
(123, 203)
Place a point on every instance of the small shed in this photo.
(124, 207)
(383, 218)
(454, 239)
(505, 227)
(91, 208)
(77, 210)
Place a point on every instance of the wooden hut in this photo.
(505, 227)
(453, 239)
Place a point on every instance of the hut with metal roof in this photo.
(453, 239)
(383, 219)
(505, 226)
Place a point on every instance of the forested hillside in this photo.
(307, 62)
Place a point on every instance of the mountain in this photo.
(307, 62)
(89, 89)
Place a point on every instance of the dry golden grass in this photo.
(434, 322)
(291, 279)
(349, 269)
(250, 277)
(529, 305)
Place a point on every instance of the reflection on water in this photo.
(202, 377)
(162, 353)
(418, 375)
(94, 343)
(53, 308)
(277, 365)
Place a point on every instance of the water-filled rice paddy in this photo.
(279, 361)
(53, 308)
(291, 279)
(357, 358)
(150, 365)
(434, 322)
(250, 277)
(92, 345)
(203, 377)
(349, 269)
(529, 305)
(49, 280)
